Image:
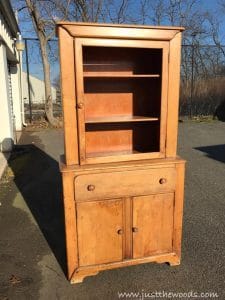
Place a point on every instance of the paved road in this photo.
(32, 252)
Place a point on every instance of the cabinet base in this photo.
(82, 272)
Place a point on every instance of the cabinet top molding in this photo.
(120, 31)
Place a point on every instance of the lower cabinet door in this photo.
(152, 224)
(100, 232)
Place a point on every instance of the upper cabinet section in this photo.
(120, 91)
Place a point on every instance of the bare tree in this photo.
(44, 15)
(186, 13)
(215, 26)
(44, 35)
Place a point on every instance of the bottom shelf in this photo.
(112, 153)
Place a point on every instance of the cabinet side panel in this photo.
(178, 209)
(66, 50)
(70, 222)
(173, 95)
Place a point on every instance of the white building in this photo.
(10, 79)
(37, 90)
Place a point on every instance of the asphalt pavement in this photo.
(32, 241)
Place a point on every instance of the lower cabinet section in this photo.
(102, 231)
(99, 229)
(133, 226)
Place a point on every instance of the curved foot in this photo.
(78, 277)
(174, 263)
(172, 260)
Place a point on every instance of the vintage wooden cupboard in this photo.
(122, 180)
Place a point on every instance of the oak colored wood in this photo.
(133, 32)
(179, 28)
(70, 222)
(117, 184)
(120, 119)
(121, 166)
(80, 101)
(115, 98)
(126, 165)
(123, 184)
(119, 43)
(127, 218)
(173, 96)
(68, 89)
(118, 156)
(82, 272)
(100, 232)
(155, 165)
(152, 224)
(97, 75)
(178, 209)
(164, 100)
(105, 97)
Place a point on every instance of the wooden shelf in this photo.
(120, 119)
(112, 153)
(99, 75)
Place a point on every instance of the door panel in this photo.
(99, 226)
(152, 224)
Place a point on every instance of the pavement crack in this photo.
(53, 270)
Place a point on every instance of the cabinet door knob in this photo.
(120, 231)
(80, 105)
(134, 229)
(162, 180)
(90, 187)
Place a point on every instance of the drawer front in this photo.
(124, 183)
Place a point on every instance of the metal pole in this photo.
(28, 81)
(192, 80)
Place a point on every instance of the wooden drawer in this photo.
(124, 183)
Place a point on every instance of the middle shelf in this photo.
(120, 119)
(117, 75)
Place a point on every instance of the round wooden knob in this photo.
(120, 231)
(135, 229)
(162, 180)
(80, 105)
(90, 187)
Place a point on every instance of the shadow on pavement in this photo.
(37, 176)
(216, 152)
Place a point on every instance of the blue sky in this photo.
(35, 59)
